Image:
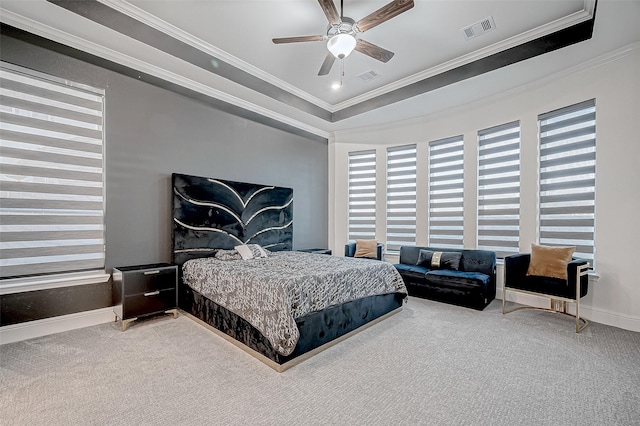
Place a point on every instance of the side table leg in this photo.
(126, 322)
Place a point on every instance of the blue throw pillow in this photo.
(439, 259)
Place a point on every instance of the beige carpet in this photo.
(432, 364)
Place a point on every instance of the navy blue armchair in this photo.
(350, 250)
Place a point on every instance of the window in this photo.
(567, 178)
(401, 197)
(446, 182)
(499, 189)
(51, 178)
(362, 195)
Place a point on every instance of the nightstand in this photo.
(144, 290)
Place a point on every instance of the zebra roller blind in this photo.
(567, 178)
(446, 184)
(499, 189)
(51, 177)
(401, 197)
(362, 195)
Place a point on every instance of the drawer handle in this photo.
(157, 271)
(153, 293)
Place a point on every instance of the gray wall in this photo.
(152, 132)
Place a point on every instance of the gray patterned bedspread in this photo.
(270, 293)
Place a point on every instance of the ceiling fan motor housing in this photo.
(347, 26)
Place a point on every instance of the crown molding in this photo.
(141, 15)
(185, 37)
(541, 31)
(75, 42)
(580, 68)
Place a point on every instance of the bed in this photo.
(279, 305)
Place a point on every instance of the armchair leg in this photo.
(585, 323)
(556, 306)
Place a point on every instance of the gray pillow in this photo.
(439, 259)
(228, 255)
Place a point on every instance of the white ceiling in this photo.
(421, 38)
(426, 40)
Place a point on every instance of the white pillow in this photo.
(258, 252)
(244, 251)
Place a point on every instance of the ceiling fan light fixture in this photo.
(341, 45)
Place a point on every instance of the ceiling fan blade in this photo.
(330, 11)
(376, 52)
(327, 64)
(298, 39)
(383, 14)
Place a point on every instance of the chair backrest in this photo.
(350, 249)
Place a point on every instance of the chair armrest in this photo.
(572, 270)
(350, 249)
(515, 267)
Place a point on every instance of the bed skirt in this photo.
(316, 329)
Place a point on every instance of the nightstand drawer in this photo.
(151, 302)
(149, 280)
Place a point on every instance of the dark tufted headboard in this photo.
(211, 214)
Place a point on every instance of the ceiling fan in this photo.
(342, 33)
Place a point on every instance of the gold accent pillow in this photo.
(366, 248)
(550, 261)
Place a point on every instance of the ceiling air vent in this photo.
(368, 76)
(479, 28)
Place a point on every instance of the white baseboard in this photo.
(596, 315)
(28, 330)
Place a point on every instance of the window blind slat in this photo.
(569, 145)
(39, 125)
(580, 119)
(501, 159)
(41, 268)
(512, 133)
(49, 157)
(51, 235)
(499, 212)
(567, 172)
(50, 219)
(33, 87)
(18, 170)
(49, 188)
(30, 138)
(566, 198)
(489, 181)
(49, 109)
(49, 251)
(576, 184)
